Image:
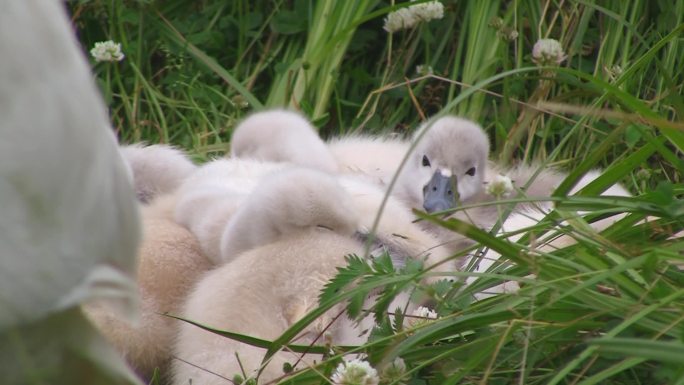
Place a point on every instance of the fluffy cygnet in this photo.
(302, 228)
(261, 293)
(169, 263)
(266, 289)
(287, 202)
(446, 166)
(210, 197)
(281, 136)
(157, 169)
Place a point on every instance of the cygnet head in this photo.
(156, 170)
(281, 136)
(288, 202)
(448, 164)
(306, 198)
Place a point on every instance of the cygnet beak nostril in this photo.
(440, 192)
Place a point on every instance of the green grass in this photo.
(606, 310)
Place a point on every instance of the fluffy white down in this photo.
(207, 200)
(375, 157)
(157, 169)
(214, 194)
(261, 293)
(287, 202)
(281, 136)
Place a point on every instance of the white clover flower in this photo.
(355, 372)
(394, 372)
(548, 52)
(424, 69)
(507, 33)
(424, 312)
(410, 16)
(420, 316)
(614, 72)
(501, 186)
(107, 51)
(399, 19)
(428, 11)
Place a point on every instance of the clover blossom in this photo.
(410, 16)
(424, 69)
(355, 372)
(394, 372)
(107, 51)
(420, 316)
(501, 186)
(424, 312)
(548, 52)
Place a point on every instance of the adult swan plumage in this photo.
(68, 223)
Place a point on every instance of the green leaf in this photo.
(288, 23)
(632, 135)
(666, 351)
(356, 268)
(663, 194)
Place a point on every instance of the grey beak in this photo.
(440, 193)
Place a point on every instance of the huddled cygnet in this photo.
(271, 282)
(156, 169)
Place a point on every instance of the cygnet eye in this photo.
(471, 171)
(426, 161)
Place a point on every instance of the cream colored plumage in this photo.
(170, 262)
(69, 224)
(271, 285)
(260, 293)
(376, 157)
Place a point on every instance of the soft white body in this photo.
(285, 203)
(377, 158)
(270, 284)
(281, 136)
(209, 199)
(69, 222)
(157, 169)
(261, 293)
